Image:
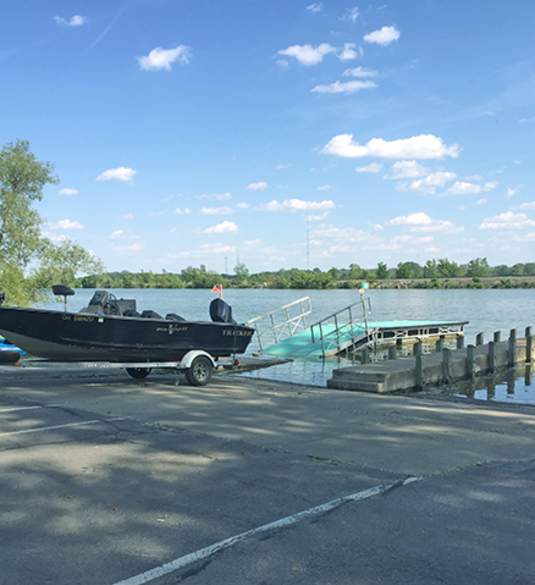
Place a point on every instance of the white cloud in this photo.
(183, 211)
(56, 238)
(384, 36)
(117, 235)
(421, 222)
(423, 146)
(66, 224)
(68, 192)
(225, 227)
(132, 248)
(438, 225)
(344, 87)
(507, 221)
(308, 54)
(243, 205)
(74, 21)
(419, 218)
(371, 168)
(226, 196)
(511, 192)
(216, 210)
(407, 169)
(349, 52)
(360, 72)
(160, 58)
(469, 188)
(431, 182)
(129, 216)
(315, 7)
(252, 243)
(298, 205)
(482, 201)
(217, 248)
(527, 120)
(324, 188)
(123, 174)
(351, 14)
(257, 186)
(527, 205)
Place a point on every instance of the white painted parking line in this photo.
(16, 408)
(285, 522)
(52, 428)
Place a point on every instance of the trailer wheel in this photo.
(200, 371)
(138, 373)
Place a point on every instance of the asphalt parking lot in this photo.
(105, 480)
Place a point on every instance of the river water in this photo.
(485, 310)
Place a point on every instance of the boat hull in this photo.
(77, 337)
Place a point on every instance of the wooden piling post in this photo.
(512, 347)
(392, 352)
(460, 341)
(479, 339)
(492, 356)
(529, 345)
(470, 360)
(418, 366)
(497, 336)
(446, 355)
(439, 345)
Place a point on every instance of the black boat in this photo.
(111, 330)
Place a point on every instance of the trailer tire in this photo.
(200, 371)
(138, 373)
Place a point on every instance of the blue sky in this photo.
(190, 131)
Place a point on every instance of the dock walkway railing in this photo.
(341, 330)
(281, 323)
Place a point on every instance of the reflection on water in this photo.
(513, 386)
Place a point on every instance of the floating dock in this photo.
(441, 367)
(330, 339)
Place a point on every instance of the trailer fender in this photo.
(187, 360)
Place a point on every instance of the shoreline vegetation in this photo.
(434, 274)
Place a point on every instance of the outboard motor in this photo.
(221, 312)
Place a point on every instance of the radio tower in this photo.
(308, 242)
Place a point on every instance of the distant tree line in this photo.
(441, 273)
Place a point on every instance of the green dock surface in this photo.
(301, 346)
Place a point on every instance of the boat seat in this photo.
(150, 315)
(131, 313)
(174, 317)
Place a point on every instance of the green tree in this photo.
(477, 268)
(409, 270)
(448, 269)
(382, 271)
(27, 260)
(242, 274)
(430, 269)
(62, 263)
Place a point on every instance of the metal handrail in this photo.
(338, 328)
(289, 325)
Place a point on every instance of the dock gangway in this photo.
(275, 326)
